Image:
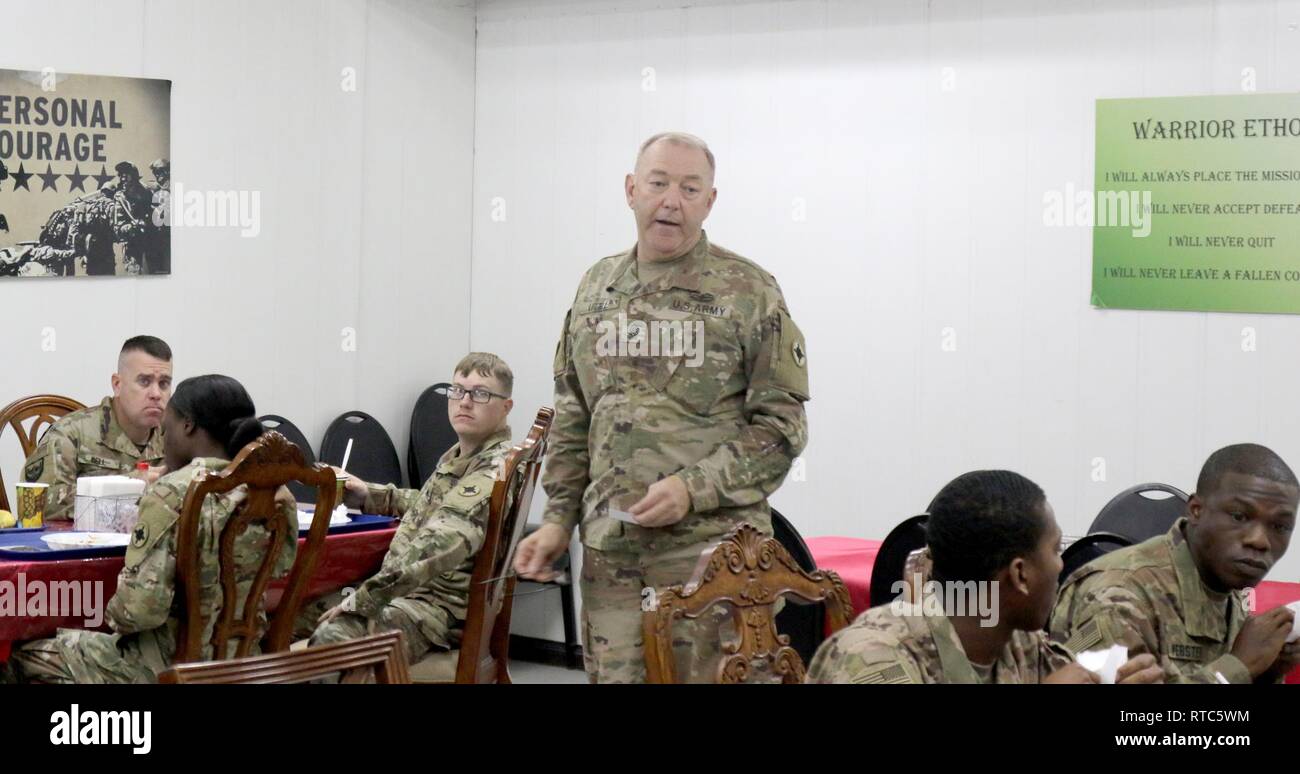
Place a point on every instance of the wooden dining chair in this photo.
(44, 410)
(263, 466)
(380, 658)
(747, 573)
(484, 653)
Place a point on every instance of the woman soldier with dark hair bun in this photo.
(208, 420)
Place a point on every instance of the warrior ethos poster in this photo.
(84, 175)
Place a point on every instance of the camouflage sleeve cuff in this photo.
(363, 604)
(566, 518)
(1231, 667)
(379, 500)
(704, 495)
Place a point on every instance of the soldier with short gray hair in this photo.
(680, 382)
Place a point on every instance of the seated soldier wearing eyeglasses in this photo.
(422, 588)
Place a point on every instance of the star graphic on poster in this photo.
(102, 178)
(78, 180)
(20, 178)
(48, 179)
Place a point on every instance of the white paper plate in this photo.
(85, 539)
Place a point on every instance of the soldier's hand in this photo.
(330, 615)
(538, 552)
(1140, 669)
(1072, 674)
(1288, 659)
(665, 503)
(355, 491)
(1260, 641)
(151, 475)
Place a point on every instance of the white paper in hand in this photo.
(1104, 662)
(1295, 625)
(622, 516)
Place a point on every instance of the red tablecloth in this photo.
(852, 559)
(345, 559)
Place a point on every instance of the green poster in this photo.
(1197, 204)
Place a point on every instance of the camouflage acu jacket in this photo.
(699, 373)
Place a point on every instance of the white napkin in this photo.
(1295, 625)
(1104, 662)
(340, 516)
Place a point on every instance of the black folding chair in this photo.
(1087, 548)
(568, 607)
(301, 492)
(431, 434)
(805, 625)
(891, 559)
(1141, 512)
(374, 458)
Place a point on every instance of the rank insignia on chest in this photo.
(469, 490)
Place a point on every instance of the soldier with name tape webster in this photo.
(1182, 596)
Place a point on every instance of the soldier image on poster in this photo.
(4, 224)
(133, 217)
(80, 237)
(158, 251)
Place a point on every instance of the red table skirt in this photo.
(345, 560)
(852, 559)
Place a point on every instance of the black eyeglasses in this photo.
(478, 394)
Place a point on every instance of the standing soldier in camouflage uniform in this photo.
(680, 381)
(1182, 596)
(158, 246)
(108, 439)
(422, 589)
(207, 422)
(995, 550)
(133, 217)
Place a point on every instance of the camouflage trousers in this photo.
(424, 626)
(613, 584)
(76, 656)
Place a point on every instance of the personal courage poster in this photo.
(84, 175)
